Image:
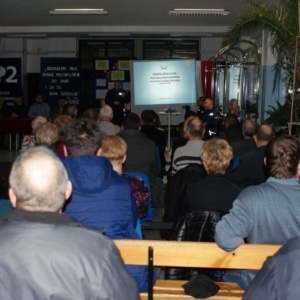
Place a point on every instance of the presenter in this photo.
(116, 99)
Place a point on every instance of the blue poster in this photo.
(10, 78)
(60, 78)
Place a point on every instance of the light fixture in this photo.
(78, 11)
(26, 35)
(198, 12)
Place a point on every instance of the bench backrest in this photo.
(194, 254)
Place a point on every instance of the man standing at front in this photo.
(46, 254)
(116, 99)
(268, 213)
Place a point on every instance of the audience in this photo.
(46, 254)
(59, 109)
(46, 135)
(189, 154)
(142, 154)
(91, 114)
(153, 133)
(61, 123)
(234, 108)
(101, 198)
(249, 129)
(279, 277)
(115, 149)
(269, 212)
(214, 192)
(250, 169)
(39, 108)
(105, 123)
(71, 111)
(18, 110)
(29, 140)
(232, 129)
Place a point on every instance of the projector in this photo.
(170, 110)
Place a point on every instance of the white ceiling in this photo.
(134, 17)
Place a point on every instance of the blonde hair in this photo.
(114, 148)
(46, 134)
(62, 122)
(216, 155)
(36, 122)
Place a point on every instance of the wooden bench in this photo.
(193, 255)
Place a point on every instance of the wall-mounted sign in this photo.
(10, 78)
(60, 78)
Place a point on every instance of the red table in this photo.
(15, 126)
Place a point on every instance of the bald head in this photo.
(264, 135)
(193, 128)
(39, 181)
(249, 128)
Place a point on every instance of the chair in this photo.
(144, 177)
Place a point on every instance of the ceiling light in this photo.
(79, 11)
(198, 12)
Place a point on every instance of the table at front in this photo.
(15, 126)
(169, 114)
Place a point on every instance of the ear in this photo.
(65, 151)
(124, 158)
(12, 197)
(99, 152)
(298, 171)
(265, 161)
(255, 140)
(68, 190)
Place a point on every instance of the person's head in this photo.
(200, 101)
(189, 113)
(36, 122)
(91, 114)
(71, 111)
(208, 103)
(233, 107)
(106, 113)
(216, 155)
(114, 148)
(193, 128)
(117, 85)
(38, 181)
(147, 117)
(264, 135)
(249, 128)
(283, 157)
(61, 102)
(46, 134)
(132, 121)
(230, 119)
(18, 100)
(83, 137)
(38, 98)
(62, 123)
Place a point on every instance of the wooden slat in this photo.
(195, 254)
(172, 289)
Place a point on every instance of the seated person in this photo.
(62, 123)
(46, 254)
(46, 135)
(114, 148)
(279, 276)
(18, 110)
(152, 132)
(105, 121)
(29, 140)
(142, 154)
(214, 192)
(189, 154)
(101, 198)
(232, 129)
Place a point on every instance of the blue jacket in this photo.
(101, 198)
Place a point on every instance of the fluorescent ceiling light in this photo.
(79, 11)
(198, 12)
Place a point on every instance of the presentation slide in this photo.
(164, 82)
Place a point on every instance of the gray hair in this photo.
(39, 180)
